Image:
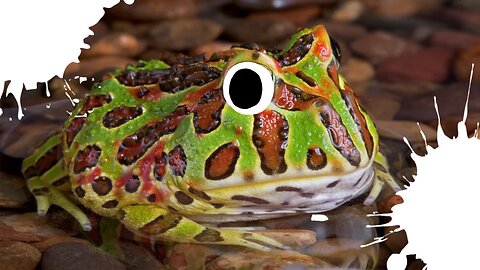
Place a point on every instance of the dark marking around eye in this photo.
(254, 200)
(121, 115)
(208, 235)
(86, 158)
(45, 162)
(338, 132)
(221, 163)
(200, 194)
(110, 204)
(307, 79)
(102, 185)
(270, 136)
(132, 184)
(207, 111)
(298, 50)
(332, 184)
(177, 161)
(183, 198)
(291, 98)
(316, 158)
(137, 144)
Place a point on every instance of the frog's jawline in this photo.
(322, 202)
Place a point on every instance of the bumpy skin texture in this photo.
(159, 148)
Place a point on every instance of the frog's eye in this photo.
(248, 87)
(336, 50)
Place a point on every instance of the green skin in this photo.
(158, 220)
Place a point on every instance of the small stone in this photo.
(209, 48)
(378, 46)
(344, 31)
(380, 105)
(429, 64)
(138, 29)
(453, 39)
(278, 4)
(298, 15)
(450, 123)
(348, 11)
(13, 191)
(464, 61)
(153, 10)
(403, 8)
(466, 19)
(18, 256)
(105, 64)
(395, 241)
(183, 34)
(398, 129)
(121, 44)
(138, 258)
(207, 6)
(55, 240)
(291, 238)
(33, 224)
(78, 256)
(100, 29)
(405, 89)
(386, 205)
(8, 233)
(357, 70)
(264, 31)
(191, 256)
(467, 4)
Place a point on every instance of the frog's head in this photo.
(304, 114)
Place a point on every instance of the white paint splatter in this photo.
(319, 217)
(439, 212)
(40, 38)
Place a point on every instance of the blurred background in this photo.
(396, 54)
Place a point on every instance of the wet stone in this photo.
(357, 70)
(402, 8)
(275, 4)
(183, 34)
(348, 11)
(408, 129)
(121, 44)
(378, 46)
(404, 90)
(153, 10)
(298, 15)
(18, 256)
(453, 39)
(104, 64)
(340, 30)
(13, 191)
(138, 258)
(464, 60)
(429, 64)
(464, 18)
(33, 224)
(386, 109)
(210, 48)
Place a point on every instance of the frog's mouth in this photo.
(290, 196)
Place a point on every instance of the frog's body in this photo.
(160, 149)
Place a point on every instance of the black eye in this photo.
(248, 87)
(336, 49)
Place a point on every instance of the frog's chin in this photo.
(326, 197)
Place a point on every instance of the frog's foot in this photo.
(158, 223)
(380, 177)
(110, 232)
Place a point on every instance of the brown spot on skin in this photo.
(270, 136)
(183, 198)
(254, 200)
(177, 161)
(316, 158)
(152, 198)
(73, 129)
(160, 165)
(121, 115)
(45, 162)
(221, 163)
(207, 111)
(199, 194)
(61, 181)
(90, 102)
(86, 158)
(80, 192)
(307, 79)
(40, 191)
(298, 50)
(332, 184)
(102, 185)
(146, 92)
(110, 204)
(137, 144)
(208, 236)
(291, 98)
(255, 55)
(217, 205)
(132, 184)
(288, 188)
(161, 224)
(308, 195)
(338, 132)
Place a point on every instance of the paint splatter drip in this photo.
(439, 212)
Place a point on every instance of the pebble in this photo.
(298, 15)
(55, 240)
(120, 44)
(397, 130)
(386, 109)
(153, 10)
(18, 256)
(467, 4)
(404, 90)
(424, 65)
(8, 233)
(78, 256)
(348, 11)
(357, 70)
(378, 46)
(99, 30)
(464, 60)
(212, 47)
(138, 258)
(386, 205)
(33, 224)
(191, 256)
(453, 39)
(278, 4)
(464, 18)
(396, 241)
(104, 64)
(403, 8)
(13, 191)
(183, 34)
(450, 123)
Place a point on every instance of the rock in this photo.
(395, 241)
(405, 89)
(33, 224)
(467, 4)
(464, 18)
(386, 205)
(8, 233)
(278, 4)
(340, 30)
(298, 15)
(450, 99)
(153, 10)
(402, 8)
(138, 258)
(424, 65)
(348, 11)
(100, 29)
(13, 192)
(121, 44)
(450, 123)
(453, 39)
(208, 6)
(18, 256)
(183, 34)
(105, 64)
(138, 29)
(191, 256)
(378, 46)
(463, 63)
(55, 240)
(409, 129)
(78, 256)
(380, 105)
(291, 238)
(209, 48)
(357, 70)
